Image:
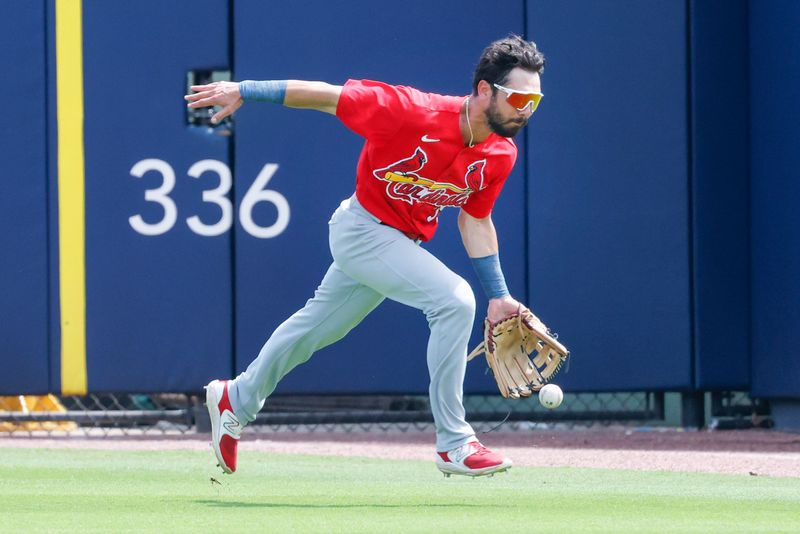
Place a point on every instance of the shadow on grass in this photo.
(240, 504)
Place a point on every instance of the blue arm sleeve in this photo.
(491, 276)
(263, 91)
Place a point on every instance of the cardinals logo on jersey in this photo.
(407, 184)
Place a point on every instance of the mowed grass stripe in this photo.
(132, 491)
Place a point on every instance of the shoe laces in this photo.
(479, 449)
(473, 448)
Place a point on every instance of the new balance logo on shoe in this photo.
(231, 424)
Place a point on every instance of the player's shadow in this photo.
(240, 504)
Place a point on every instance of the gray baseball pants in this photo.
(372, 261)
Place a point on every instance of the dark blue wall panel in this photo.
(609, 237)
(158, 307)
(720, 180)
(23, 204)
(408, 43)
(775, 149)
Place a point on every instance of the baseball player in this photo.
(423, 152)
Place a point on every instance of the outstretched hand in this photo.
(225, 94)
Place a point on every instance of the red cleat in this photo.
(472, 459)
(225, 427)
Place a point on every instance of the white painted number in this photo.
(255, 194)
(215, 196)
(159, 195)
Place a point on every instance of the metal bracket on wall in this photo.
(693, 409)
(202, 421)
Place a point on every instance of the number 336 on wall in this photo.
(255, 194)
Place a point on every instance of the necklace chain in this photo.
(471, 137)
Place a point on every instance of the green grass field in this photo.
(105, 491)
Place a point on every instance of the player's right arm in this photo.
(480, 240)
(291, 93)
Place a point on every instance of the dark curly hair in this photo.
(502, 56)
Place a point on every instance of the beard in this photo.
(499, 125)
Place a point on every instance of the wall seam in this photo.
(690, 197)
(749, 210)
(526, 183)
(232, 193)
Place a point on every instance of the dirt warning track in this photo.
(749, 452)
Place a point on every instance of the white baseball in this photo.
(550, 396)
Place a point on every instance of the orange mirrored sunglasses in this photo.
(520, 99)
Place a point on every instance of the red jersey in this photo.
(414, 162)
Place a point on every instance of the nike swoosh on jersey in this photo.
(426, 139)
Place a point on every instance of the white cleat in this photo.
(225, 427)
(472, 459)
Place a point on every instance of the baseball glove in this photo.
(510, 345)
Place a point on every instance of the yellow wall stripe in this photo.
(71, 231)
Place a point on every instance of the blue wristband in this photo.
(267, 91)
(491, 276)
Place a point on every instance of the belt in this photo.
(412, 236)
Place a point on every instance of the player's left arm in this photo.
(230, 96)
(480, 240)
